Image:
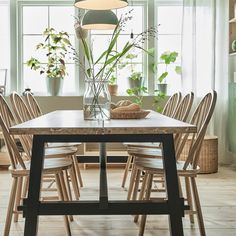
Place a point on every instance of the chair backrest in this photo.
(20, 108)
(33, 105)
(181, 114)
(184, 107)
(172, 104)
(22, 114)
(201, 118)
(6, 120)
(3, 81)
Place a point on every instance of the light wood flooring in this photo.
(217, 193)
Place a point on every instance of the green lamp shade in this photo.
(99, 20)
(101, 4)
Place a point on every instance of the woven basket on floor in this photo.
(208, 161)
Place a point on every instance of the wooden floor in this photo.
(217, 192)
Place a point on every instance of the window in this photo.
(32, 29)
(169, 39)
(100, 41)
(50, 14)
(4, 39)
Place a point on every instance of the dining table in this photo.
(70, 126)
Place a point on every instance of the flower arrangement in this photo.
(100, 69)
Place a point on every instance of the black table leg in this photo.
(31, 205)
(175, 203)
(103, 198)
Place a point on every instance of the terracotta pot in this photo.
(113, 89)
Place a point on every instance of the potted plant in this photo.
(168, 58)
(55, 46)
(135, 79)
(112, 85)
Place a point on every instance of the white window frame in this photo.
(150, 15)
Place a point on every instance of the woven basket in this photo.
(130, 114)
(208, 161)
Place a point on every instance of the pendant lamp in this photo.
(101, 4)
(99, 20)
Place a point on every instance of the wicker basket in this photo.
(130, 114)
(208, 161)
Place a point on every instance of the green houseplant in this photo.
(55, 46)
(167, 58)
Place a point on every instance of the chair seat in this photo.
(148, 145)
(145, 152)
(50, 166)
(156, 165)
(54, 145)
(60, 152)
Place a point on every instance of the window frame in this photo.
(149, 19)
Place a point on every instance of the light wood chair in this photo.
(23, 114)
(187, 170)
(174, 108)
(172, 104)
(20, 168)
(36, 111)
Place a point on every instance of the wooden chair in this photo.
(187, 170)
(172, 104)
(23, 114)
(36, 111)
(20, 168)
(180, 111)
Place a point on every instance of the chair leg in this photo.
(136, 185)
(147, 197)
(60, 193)
(65, 191)
(67, 183)
(198, 207)
(127, 168)
(25, 187)
(77, 170)
(10, 207)
(141, 194)
(18, 198)
(74, 183)
(131, 182)
(189, 199)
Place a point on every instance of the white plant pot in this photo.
(54, 86)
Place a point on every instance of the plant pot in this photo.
(162, 88)
(113, 89)
(80, 32)
(137, 83)
(54, 86)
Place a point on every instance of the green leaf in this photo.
(178, 70)
(66, 41)
(162, 77)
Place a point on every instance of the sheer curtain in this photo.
(205, 59)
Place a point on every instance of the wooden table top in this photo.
(72, 122)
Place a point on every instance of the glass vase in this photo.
(96, 100)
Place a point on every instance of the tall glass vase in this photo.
(96, 100)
